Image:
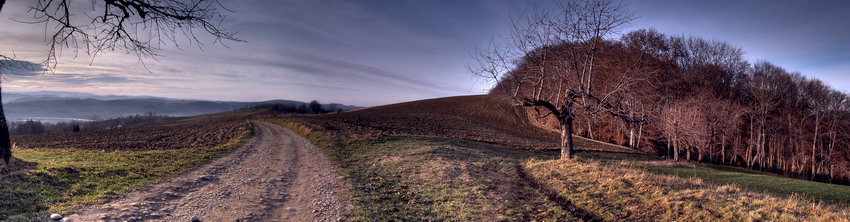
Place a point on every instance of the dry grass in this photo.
(625, 193)
(443, 179)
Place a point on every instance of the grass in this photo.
(437, 178)
(621, 192)
(403, 178)
(828, 193)
(64, 180)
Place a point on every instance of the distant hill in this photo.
(62, 106)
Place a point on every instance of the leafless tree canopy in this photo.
(140, 27)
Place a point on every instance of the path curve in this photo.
(276, 175)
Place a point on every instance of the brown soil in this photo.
(484, 118)
(276, 176)
(194, 135)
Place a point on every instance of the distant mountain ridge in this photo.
(65, 105)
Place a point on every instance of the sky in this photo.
(378, 52)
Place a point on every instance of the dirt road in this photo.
(276, 176)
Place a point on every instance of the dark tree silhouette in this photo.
(315, 107)
(139, 27)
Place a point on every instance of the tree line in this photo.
(30, 127)
(685, 97)
(699, 99)
(314, 107)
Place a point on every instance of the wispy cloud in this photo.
(378, 52)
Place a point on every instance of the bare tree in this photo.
(139, 27)
(555, 54)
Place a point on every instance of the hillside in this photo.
(64, 106)
(479, 118)
(482, 118)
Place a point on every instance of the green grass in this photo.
(604, 156)
(65, 180)
(432, 178)
(754, 181)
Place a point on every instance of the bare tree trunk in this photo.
(676, 147)
(762, 142)
(567, 138)
(631, 136)
(828, 158)
(831, 172)
(814, 146)
(722, 149)
(700, 153)
(5, 143)
(640, 133)
(735, 149)
(751, 145)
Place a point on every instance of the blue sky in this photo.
(388, 51)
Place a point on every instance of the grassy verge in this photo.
(429, 178)
(828, 193)
(64, 180)
(620, 192)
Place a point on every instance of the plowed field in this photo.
(192, 135)
(479, 118)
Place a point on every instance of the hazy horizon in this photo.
(84, 95)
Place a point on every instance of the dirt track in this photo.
(276, 176)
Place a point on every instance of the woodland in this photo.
(689, 98)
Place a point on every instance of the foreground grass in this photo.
(64, 180)
(754, 181)
(428, 178)
(612, 192)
